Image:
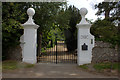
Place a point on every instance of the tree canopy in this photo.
(106, 29)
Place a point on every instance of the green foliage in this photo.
(56, 23)
(106, 31)
(45, 17)
(62, 19)
(52, 35)
(13, 14)
(71, 31)
(43, 50)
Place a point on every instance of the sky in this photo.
(89, 4)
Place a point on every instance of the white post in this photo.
(85, 41)
(30, 38)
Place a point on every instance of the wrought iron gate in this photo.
(57, 54)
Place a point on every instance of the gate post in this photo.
(85, 41)
(30, 39)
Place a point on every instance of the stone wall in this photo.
(104, 52)
(101, 52)
(14, 53)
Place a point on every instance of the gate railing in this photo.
(57, 54)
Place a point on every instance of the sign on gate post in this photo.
(30, 38)
(85, 41)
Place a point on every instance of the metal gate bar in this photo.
(57, 54)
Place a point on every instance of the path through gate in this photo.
(57, 54)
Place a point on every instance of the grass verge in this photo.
(11, 65)
(84, 66)
(102, 67)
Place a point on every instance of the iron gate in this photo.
(57, 53)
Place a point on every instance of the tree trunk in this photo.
(39, 43)
(119, 42)
(107, 12)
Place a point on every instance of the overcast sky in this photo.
(89, 4)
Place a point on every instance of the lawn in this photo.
(101, 66)
(105, 67)
(11, 65)
(84, 66)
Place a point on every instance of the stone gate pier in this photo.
(85, 41)
(29, 39)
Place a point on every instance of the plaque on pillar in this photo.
(84, 47)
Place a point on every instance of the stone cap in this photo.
(30, 22)
(30, 26)
(83, 12)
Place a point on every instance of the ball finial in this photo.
(30, 11)
(83, 11)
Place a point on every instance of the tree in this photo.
(13, 15)
(106, 31)
(45, 18)
(74, 19)
(105, 7)
(109, 8)
(68, 20)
